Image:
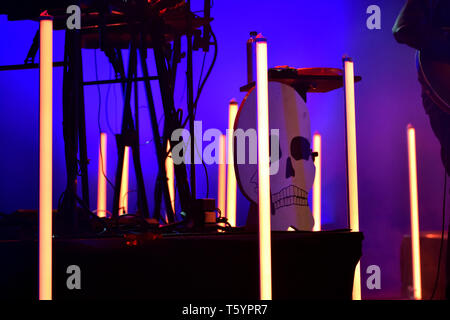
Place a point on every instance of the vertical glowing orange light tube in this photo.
(265, 252)
(221, 189)
(352, 170)
(317, 187)
(231, 176)
(123, 200)
(170, 177)
(45, 156)
(414, 207)
(101, 181)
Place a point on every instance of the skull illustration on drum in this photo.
(292, 166)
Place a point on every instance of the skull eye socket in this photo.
(300, 148)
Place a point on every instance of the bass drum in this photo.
(292, 166)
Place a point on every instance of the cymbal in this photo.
(306, 79)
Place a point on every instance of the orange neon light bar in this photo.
(317, 187)
(45, 156)
(170, 171)
(231, 176)
(101, 181)
(352, 170)
(123, 200)
(221, 189)
(414, 207)
(265, 254)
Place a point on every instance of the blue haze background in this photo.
(300, 34)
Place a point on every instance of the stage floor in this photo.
(306, 265)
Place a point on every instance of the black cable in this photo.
(206, 170)
(84, 206)
(159, 124)
(98, 116)
(199, 91)
(213, 62)
(184, 91)
(441, 246)
(201, 72)
(125, 196)
(98, 92)
(108, 123)
(207, 178)
(198, 96)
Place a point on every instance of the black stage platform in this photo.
(306, 265)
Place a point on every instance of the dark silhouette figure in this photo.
(424, 25)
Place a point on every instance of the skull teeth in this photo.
(291, 195)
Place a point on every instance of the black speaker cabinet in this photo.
(429, 253)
